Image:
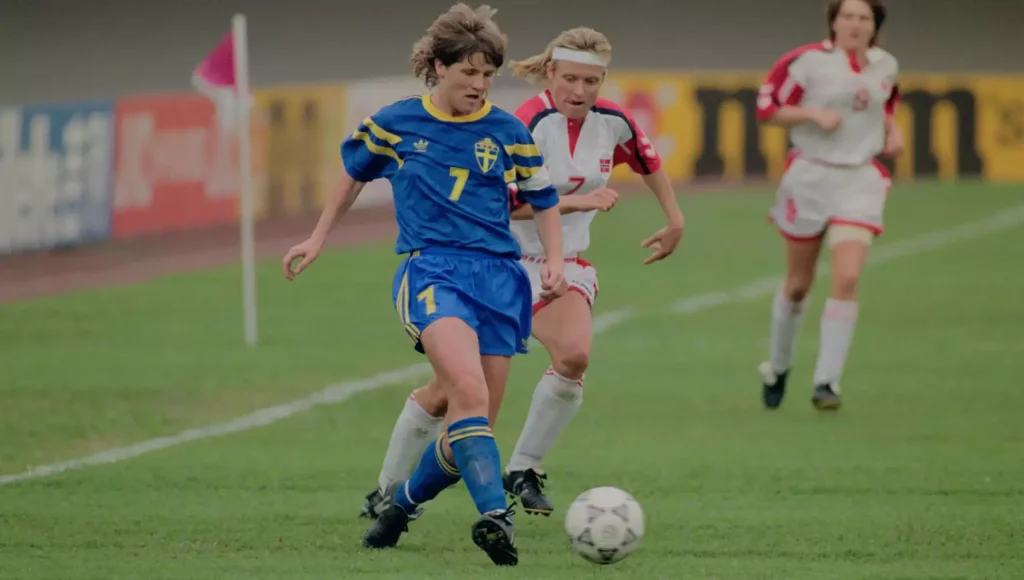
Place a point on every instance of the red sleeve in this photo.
(634, 148)
(529, 110)
(780, 88)
(894, 99)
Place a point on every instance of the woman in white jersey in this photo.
(837, 98)
(582, 137)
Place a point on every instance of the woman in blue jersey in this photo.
(460, 293)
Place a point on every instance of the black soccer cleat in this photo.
(391, 523)
(527, 485)
(826, 397)
(375, 503)
(373, 506)
(773, 385)
(494, 534)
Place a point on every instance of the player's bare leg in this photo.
(787, 316)
(419, 425)
(849, 248)
(564, 328)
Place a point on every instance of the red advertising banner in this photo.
(173, 168)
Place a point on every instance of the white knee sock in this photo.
(837, 324)
(786, 318)
(555, 402)
(413, 431)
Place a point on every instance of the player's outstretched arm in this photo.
(665, 240)
(343, 195)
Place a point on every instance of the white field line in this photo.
(882, 254)
(342, 392)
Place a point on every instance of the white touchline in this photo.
(881, 254)
(341, 392)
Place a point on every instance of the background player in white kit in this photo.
(837, 97)
(581, 137)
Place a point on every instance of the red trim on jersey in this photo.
(892, 101)
(529, 110)
(778, 89)
(574, 126)
(540, 304)
(578, 260)
(877, 230)
(855, 65)
(574, 260)
(882, 169)
(636, 151)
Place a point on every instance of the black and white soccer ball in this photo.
(604, 524)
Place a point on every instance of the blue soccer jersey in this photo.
(450, 175)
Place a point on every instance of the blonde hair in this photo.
(455, 35)
(535, 68)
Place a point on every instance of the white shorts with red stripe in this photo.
(814, 195)
(579, 273)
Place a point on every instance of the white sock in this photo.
(837, 324)
(555, 402)
(786, 318)
(413, 431)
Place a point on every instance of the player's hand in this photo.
(602, 199)
(552, 280)
(307, 251)
(893, 143)
(827, 119)
(663, 242)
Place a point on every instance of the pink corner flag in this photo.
(214, 77)
(217, 70)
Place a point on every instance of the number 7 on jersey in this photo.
(461, 177)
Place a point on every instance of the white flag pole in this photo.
(242, 110)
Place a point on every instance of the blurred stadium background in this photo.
(113, 170)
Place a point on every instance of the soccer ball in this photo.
(604, 524)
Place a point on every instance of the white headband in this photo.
(580, 56)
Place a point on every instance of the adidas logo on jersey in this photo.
(421, 145)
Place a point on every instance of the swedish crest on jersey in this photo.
(486, 153)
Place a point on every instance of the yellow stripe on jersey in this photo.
(528, 172)
(523, 150)
(402, 308)
(377, 149)
(380, 133)
(510, 176)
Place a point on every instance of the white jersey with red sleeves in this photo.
(579, 155)
(823, 76)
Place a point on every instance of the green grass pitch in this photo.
(919, 476)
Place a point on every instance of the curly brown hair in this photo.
(456, 35)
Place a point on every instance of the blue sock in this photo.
(433, 475)
(476, 455)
